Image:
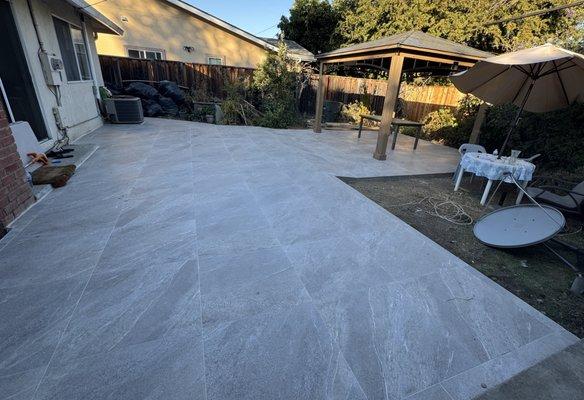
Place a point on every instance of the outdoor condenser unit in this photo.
(124, 110)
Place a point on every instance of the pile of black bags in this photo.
(166, 100)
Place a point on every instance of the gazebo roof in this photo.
(411, 41)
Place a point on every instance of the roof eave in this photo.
(341, 54)
(99, 21)
(222, 24)
(301, 57)
(337, 53)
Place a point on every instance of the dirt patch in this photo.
(533, 273)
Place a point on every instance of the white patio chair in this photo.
(467, 148)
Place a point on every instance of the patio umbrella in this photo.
(540, 79)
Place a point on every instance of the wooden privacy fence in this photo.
(420, 99)
(211, 79)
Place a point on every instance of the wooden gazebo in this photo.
(411, 51)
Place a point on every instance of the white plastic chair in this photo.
(533, 157)
(467, 148)
(471, 148)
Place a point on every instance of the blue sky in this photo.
(253, 16)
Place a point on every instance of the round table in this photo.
(495, 169)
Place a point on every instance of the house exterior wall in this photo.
(156, 24)
(15, 192)
(79, 110)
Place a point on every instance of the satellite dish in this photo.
(519, 226)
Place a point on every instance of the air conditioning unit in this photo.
(124, 110)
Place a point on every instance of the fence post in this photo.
(150, 70)
(118, 74)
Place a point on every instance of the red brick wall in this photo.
(15, 193)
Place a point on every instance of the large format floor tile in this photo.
(404, 337)
(33, 319)
(168, 368)
(197, 261)
(277, 355)
(131, 306)
(32, 259)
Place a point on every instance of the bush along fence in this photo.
(420, 100)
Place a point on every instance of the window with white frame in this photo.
(73, 51)
(146, 54)
(212, 60)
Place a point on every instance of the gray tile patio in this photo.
(193, 261)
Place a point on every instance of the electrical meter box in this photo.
(52, 67)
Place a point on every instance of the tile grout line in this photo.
(481, 364)
(496, 358)
(198, 268)
(446, 391)
(62, 334)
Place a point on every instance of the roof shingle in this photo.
(414, 39)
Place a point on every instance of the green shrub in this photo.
(468, 106)
(438, 120)
(231, 107)
(453, 128)
(231, 112)
(457, 134)
(352, 113)
(558, 136)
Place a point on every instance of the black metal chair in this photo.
(566, 196)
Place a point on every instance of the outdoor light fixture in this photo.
(189, 49)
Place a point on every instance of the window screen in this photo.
(73, 51)
(145, 54)
(215, 61)
(67, 50)
(151, 55)
(134, 53)
(80, 53)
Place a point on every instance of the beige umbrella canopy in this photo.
(540, 79)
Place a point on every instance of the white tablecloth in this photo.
(490, 167)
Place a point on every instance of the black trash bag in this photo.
(171, 89)
(169, 106)
(142, 91)
(151, 108)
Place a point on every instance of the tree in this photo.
(312, 24)
(276, 80)
(462, 21)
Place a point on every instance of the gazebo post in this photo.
(393, 83)
(319, 100)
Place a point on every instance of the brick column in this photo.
(15, 192)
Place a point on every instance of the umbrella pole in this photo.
(517, 118)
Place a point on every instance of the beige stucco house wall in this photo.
(79, 112)
(180, 32)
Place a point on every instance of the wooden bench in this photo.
(396, 123)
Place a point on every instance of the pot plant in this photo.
(209, 113)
